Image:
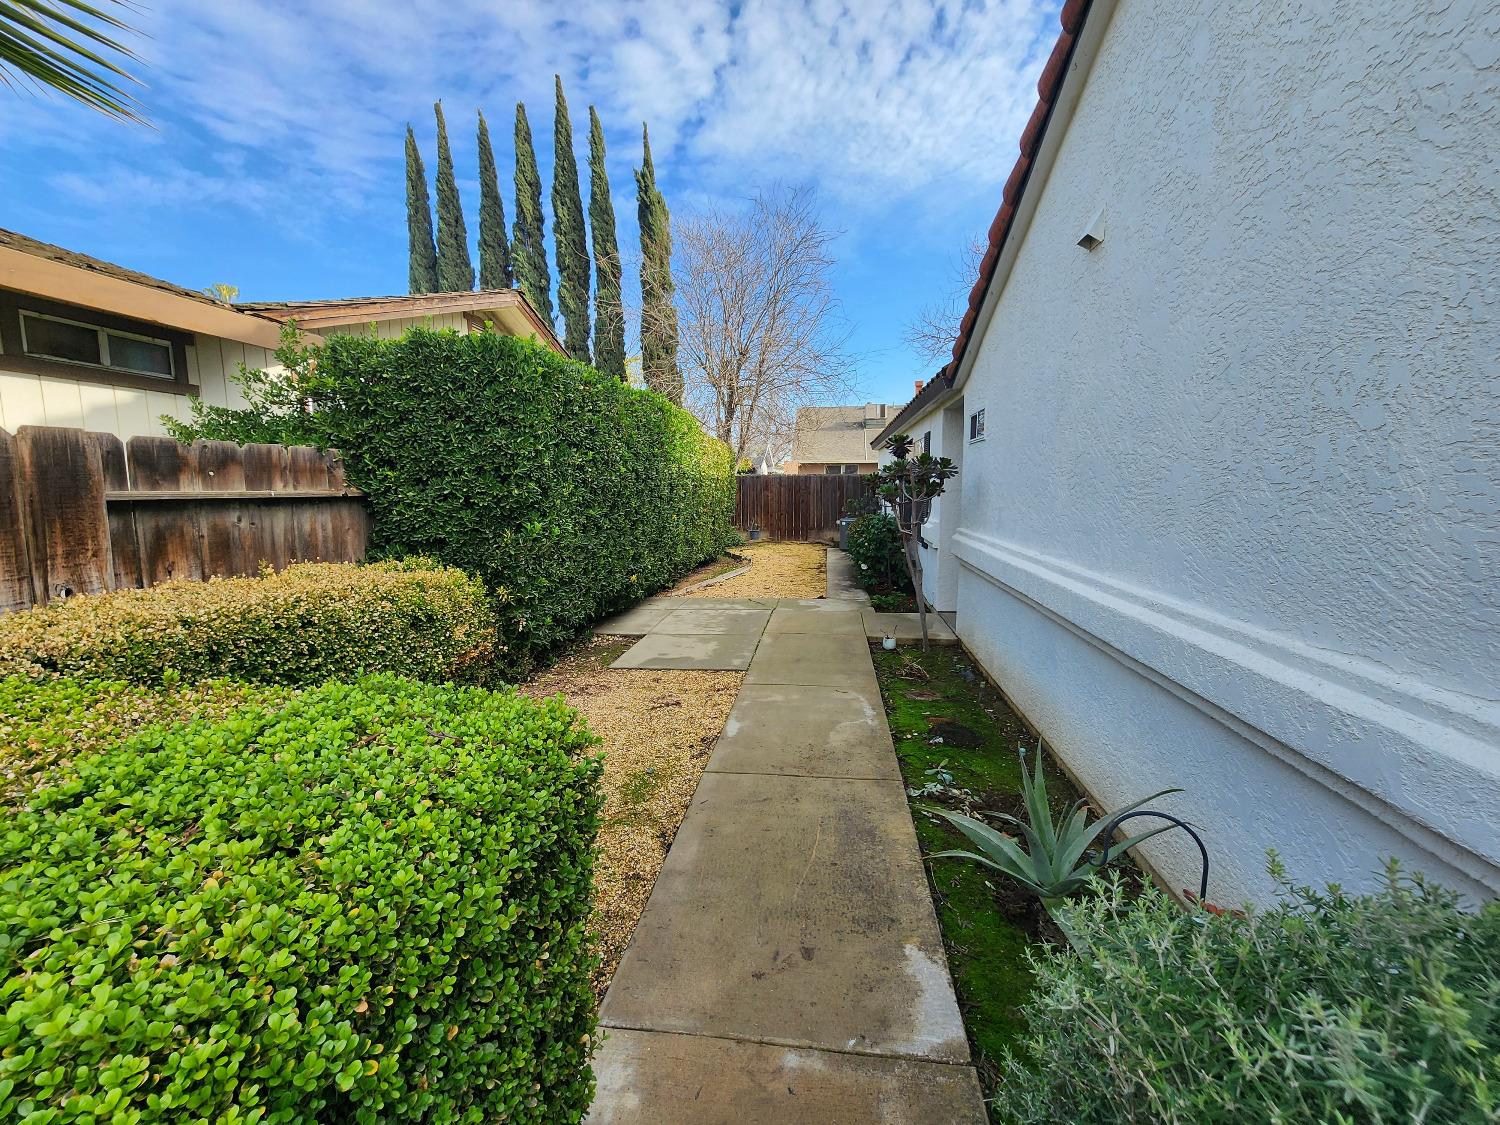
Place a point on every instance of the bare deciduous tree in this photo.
(932, 331)
(761, 332)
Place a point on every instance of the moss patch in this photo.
(987, 925)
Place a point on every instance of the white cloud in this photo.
(875, 100)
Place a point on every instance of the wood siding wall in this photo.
(212, 365)
(795, 507)
(83, 512)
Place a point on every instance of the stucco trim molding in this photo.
(1419, 757)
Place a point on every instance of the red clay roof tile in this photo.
(1052, 73)
(1031, 135)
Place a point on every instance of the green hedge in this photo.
(565, 489)
(311, 622)
(876, 550)
(361, 901)
(1329, 1007)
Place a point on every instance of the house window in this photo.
(927, 442)
(51, 338)
(840, 470)
(976, 425)
(851, 470)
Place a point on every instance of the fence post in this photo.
(15, 555)
(67, 523)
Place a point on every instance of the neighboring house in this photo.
(1225, 406)
(90, 344)
(836, 439)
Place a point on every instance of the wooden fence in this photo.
(796, 507)
(83, 512)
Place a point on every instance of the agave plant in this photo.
(1056, 861)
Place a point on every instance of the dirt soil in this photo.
(657, 729)
(776, 570)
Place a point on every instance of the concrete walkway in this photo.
(788, 967)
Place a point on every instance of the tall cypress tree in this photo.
(568, 232)
(528, 251)
(455, 270)
(609, 311)
(658, 313)
(421, 256)
(494, 247)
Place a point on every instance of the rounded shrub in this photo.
(362, 902)
(878, 555)
(1329, 1007)
(311, 622)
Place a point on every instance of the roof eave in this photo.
(88, 288)
(317, 317)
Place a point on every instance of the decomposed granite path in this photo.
(788, 967)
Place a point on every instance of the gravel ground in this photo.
(658, 729)
(777, 570)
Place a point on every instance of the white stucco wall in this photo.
(1239, 530)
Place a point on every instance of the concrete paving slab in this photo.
(841, 582)
(726, 652)
(807, 732)
(835, 604)
(646, 1078)
(906, 627)
(751, 621)
(793, 911)
(813, 659)
(637, 621)
(720, 603)
(787, 619)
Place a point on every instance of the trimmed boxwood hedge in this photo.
(570, 493)
(311, 622)
(362, 901)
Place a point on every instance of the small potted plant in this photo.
(754, 531)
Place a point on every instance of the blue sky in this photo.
(275, 163)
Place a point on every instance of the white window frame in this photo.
(104, 334)
(976, 426)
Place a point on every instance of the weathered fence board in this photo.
(83, 512)
(796, 507)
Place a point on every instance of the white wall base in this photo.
(1125, 727)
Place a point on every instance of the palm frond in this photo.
(65, 45)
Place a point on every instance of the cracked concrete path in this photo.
(788, 967)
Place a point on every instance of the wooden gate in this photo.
(83, 512)
(796, 507)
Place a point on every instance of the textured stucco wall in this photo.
(1249, 544)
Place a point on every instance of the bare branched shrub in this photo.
(761, 328)
(932, 331)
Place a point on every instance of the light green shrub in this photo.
(1328, 1008)
(41, 730)
(566, 489)
(355, 902)
(311, 622)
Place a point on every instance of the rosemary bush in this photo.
(1329, 1007)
